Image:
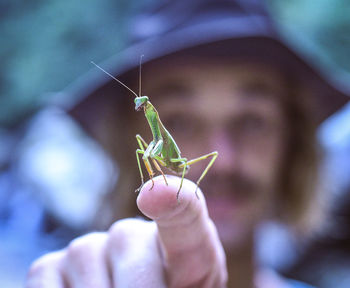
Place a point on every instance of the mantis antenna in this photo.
(120, 82)
(140, 75)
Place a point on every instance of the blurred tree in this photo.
(46, 45)
(320, 30)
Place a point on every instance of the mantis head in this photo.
(140, 102)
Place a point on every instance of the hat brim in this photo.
(257, 41)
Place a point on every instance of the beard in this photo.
(236, 186)
(236, 203)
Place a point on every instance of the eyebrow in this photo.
(257, 89)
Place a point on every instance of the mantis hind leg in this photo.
(213, 154)
(184, 165)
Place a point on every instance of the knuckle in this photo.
(119, 227)
(44, 263)
(125, 231)
(125, 227)
(85, 255)
(84, 245)
(36, 268)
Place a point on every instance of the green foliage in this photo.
(320, 30)
(47, 44)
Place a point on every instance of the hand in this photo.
(180, 248)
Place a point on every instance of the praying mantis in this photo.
(162, 150)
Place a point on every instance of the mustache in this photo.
(230, 183)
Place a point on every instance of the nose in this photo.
(228, 159)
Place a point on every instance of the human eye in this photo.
(258, 89)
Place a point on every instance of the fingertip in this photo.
(161, 201)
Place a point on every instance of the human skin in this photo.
(133, 252)
(232, 107)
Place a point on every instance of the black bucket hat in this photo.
(222, 27)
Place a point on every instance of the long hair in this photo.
(301, 199)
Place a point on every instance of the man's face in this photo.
(234, 108)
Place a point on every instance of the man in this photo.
(221, 80)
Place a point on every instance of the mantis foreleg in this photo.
(143, 143)
(140, 139)
(148, 168)
(139, 151)
(145, 160)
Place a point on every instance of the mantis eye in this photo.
(140, 102)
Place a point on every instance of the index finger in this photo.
(190, 245)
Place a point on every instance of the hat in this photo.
(223, 27)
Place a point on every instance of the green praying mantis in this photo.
(162, 150)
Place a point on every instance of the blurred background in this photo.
(46, 193)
